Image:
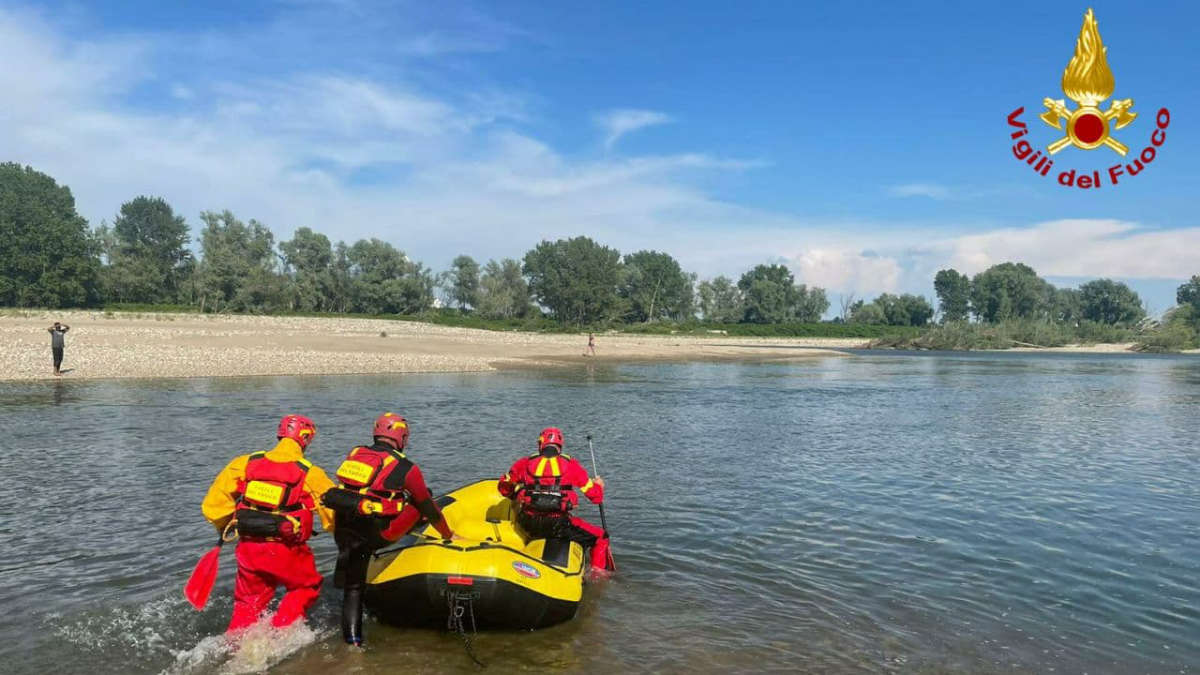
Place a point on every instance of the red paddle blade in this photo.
(200, 585)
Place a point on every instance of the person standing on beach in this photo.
(270, 497)
(57, 343)
(591, 348)
(381, 495)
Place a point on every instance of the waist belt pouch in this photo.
(251, 523)
(342, 501)
(546, 501)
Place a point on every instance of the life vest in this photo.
(365, 476)
(272, 502)
(542, 490)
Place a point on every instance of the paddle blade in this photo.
(200, 585)
(612, 564)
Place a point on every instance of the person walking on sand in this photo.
(57, 331)
(270, 497)
(591, 348)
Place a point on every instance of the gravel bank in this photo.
(101, 345)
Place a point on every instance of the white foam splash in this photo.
(142, 630)
(255, 650)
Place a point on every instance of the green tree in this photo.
(1010, 291)
(576, 279)
(656, 287)
(147, 253)
(308, 258)
(1110, 302)
(1067, 306)
(893, 310)
(811, 304)
(462, 282)
(341, 279)
(237, 271)
(904, 310)
(872, 313)
(769, 294)
(385, 281)
(954, 294)
(720, 300)
(48, 257)
(1189, 293)
(503, 293)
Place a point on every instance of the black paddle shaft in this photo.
(592, 451)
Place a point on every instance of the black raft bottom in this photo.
(426, 599)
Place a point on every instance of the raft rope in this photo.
(460, 603)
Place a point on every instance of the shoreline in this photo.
(162, 345)
(157, 345)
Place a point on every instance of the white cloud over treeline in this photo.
(354, 153)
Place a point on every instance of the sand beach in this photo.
(150, 345)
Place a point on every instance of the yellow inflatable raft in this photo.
(509, 581)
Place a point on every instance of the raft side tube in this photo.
(425, 600)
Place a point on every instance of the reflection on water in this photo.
(981, 512)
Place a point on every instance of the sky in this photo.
(863, 144)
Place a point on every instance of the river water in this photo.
(871, 513)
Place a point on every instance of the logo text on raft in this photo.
(525, 569)
(1088, 81)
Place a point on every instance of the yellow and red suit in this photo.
(550, 473)
(282, 478)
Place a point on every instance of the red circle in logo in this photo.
(1089, 128)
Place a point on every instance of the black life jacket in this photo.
(542, 491)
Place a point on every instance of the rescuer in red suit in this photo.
(543, 487)
(381, 495)
(270, 497)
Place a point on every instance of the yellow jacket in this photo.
(219, 504)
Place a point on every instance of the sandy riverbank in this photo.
(192, 345)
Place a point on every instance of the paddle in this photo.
(612, 564)
(200, 584)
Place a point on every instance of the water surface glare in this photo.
(873, 513)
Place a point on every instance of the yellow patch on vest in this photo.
(353, 471)
(264, 493)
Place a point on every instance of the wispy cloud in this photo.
(465, 172)
(930, 190)
(617, 123)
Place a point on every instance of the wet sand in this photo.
(151, 345)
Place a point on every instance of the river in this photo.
(872, 513)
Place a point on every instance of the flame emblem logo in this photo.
(1088, 81)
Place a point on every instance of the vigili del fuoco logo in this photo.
(1088, 81)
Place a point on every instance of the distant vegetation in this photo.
(50, 257)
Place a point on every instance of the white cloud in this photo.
(930, 190)
(437, 175)
(617, 123)
(1070, 248)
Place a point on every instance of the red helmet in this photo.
(550, 436)
(298, 428)
(393, 427)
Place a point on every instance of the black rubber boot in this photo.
(352, 616)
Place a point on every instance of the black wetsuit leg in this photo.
(355, 542)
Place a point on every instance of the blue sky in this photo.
(864, 144)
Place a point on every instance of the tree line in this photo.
(1015, 291)
(50, 257)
